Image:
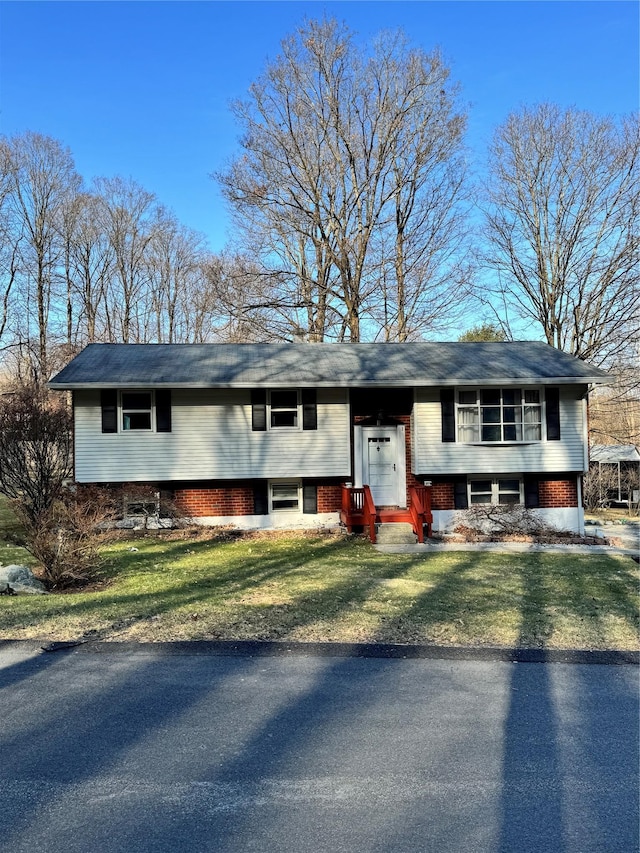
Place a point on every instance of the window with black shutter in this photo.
(163, 411)
(259, 410)
(261, 498)
(531, 492)
(460, 498)
(109, 404)
(552, 413)
(309, 409)
(447, 403)
(310, 498)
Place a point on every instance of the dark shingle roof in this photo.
(329, 365)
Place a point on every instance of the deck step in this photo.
(395, 533)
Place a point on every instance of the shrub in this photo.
(65, 539)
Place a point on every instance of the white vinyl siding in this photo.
(211, 438)
(434, 457)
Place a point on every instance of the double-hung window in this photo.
(136, 411)
(137, 408)
(283, 409)
(495, 415)
(495, 491)
(284, 495)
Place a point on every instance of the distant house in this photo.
(284, 435)
(617, 467)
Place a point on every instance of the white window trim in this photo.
(122, 410)
(288, 481)
(502, 442)
(495, 490)
(298, 425)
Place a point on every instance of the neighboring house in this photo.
(269, 435)
(617, 469)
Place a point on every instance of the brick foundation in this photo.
(237, 499)
(215, 501)
(329, 498)
(442, 496)
(552, 494)
(557, 493)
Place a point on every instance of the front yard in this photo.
(169, 587)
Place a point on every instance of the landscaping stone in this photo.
(19, 580)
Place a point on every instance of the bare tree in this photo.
(562, 235)
(176, 276)
(40, 178)
(35, 449)
(89, 262)
(345, 154)
(127, 212)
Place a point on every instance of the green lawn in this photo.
(335, 589)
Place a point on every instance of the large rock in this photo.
(20, 580)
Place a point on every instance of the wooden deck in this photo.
(359, 510)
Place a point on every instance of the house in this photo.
(617, 470)
(286, 435)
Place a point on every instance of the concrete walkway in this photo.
(628, 535)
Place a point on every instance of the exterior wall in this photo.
(558, 504)
(292, 521)
(211, 439)
(569, 519)
(237, 499)
(433, 457)
(215, 501)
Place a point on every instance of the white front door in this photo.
(380, 468)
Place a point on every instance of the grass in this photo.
(335, 589)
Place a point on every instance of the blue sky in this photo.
(142, 89)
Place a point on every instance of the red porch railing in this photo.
(420, 509)
(359, 510)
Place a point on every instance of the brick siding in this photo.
(215, 501)
(558, 493)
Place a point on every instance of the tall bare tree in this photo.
(562, 227)
(40, 179)
(127, 212)
(345, 153)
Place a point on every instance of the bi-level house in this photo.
(286, 435)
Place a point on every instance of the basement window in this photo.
(498, 490)
(284, 496)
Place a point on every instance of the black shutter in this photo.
(309, 409)
(309, 498)
(163, 411)
(460, 499)
(447, 398)
(552, 407)
(259, 410)
(531, 493)
(261, 498)
(109, 403)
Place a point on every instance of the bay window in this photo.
(493, 415)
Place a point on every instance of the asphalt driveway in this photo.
(149, 751)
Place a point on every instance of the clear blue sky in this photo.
(142, 89)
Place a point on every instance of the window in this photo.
(143, 504)
(136, 410)
(503, 491)
(283, 409)
(284, 496)
(289, 409)
(499, 415)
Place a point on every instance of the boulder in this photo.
(19, 580)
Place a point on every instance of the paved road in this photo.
(144, 751)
